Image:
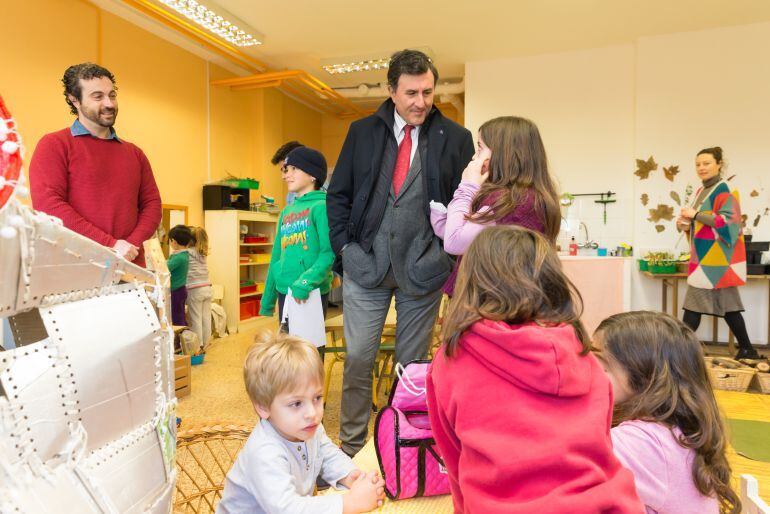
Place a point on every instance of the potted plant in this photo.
(661, 262)
(683, 262)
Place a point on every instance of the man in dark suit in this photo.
(392, 165)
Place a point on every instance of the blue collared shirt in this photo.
(77, 129)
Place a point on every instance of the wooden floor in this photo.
(755, 407)
(218, 394)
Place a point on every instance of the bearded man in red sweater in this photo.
(99, 185)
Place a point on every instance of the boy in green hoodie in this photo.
(302, 254)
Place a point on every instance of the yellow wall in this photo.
(162, 108)
(35, 57)
(233, 129)
(162, 99)
(333, 132)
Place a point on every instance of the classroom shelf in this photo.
(223, 228)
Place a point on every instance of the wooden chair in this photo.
(752, 503)
(384, 371)
(335, 353)
(203, 457)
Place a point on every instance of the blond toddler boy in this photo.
(276, 470)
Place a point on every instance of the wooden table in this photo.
(335, 324)
(335, 327)
(366, 460)
(672, 280)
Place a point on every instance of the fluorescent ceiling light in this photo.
(213, 22)
(368, 65)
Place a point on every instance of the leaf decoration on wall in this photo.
(671, 172)
(757, 219)
(645, 199)
(744, 219)
(754, 193)
(730, 178)
(643, 168)
(660, 228)
(661, 212)
(675, 197)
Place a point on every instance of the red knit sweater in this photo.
(101, 188)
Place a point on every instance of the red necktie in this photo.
(402, 161)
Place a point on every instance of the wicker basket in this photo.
(203, 458)
(730, 379)
(763, 379)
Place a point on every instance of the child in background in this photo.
(519, 408)
(276, 470)
(671, 434)
(179, 238)
(506, 183)
(302, 254)
(199, 286)
(279, 159)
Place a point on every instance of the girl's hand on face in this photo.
(477, 171)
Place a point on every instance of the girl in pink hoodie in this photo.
(670, 432)
(519, 408)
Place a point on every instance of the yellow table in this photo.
(366, 460)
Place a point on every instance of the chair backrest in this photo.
(203, 458)
(752, 503)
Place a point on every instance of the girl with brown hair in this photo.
(506, 183)
(519, 408)
(670, 432)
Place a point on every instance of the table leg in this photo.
(714, 329)
(664, 299)
(675, 299)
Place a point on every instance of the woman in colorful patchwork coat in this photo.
(717, 252)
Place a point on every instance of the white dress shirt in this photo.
(398, 129)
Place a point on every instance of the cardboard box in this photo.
(182, 375)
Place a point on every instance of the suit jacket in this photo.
(354, 210)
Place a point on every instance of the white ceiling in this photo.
(303, 34)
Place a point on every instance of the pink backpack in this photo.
(407, 454)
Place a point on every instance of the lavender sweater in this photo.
(662, 468)
(458, 233)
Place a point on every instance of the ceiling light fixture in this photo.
(212, 22)
(372, 64)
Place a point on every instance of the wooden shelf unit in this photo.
(223, 228)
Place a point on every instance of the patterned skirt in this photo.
(715, 302)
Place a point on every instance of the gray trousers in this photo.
(364, 313)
